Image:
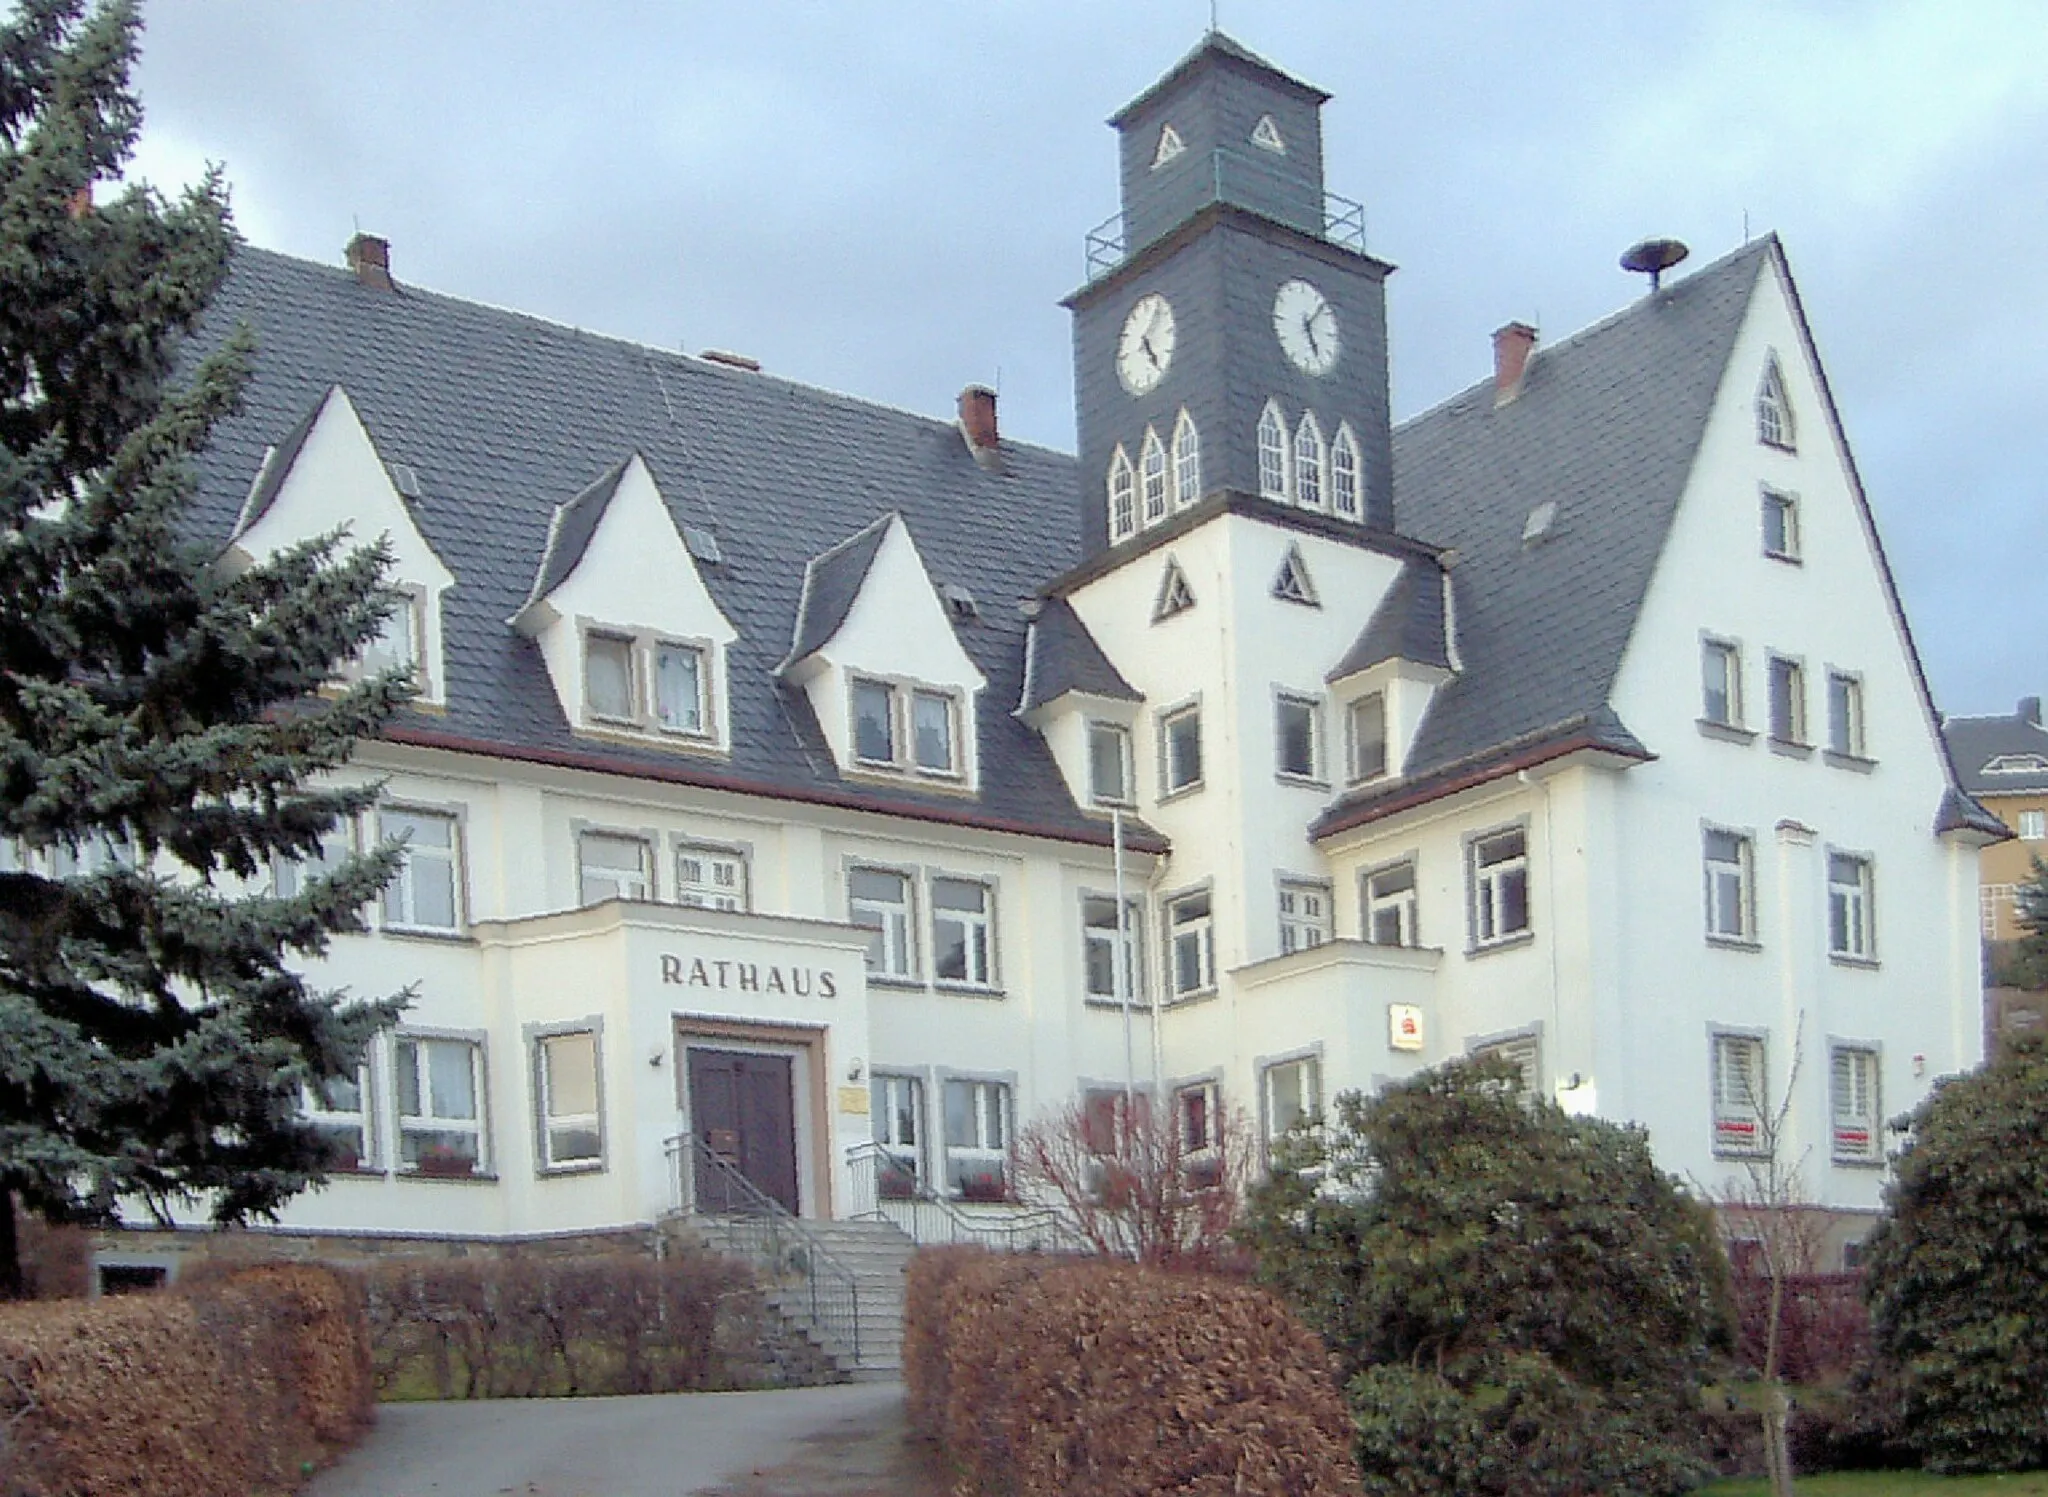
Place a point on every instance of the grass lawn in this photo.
(1893, 1484)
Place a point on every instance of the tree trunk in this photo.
(1777, 1406)
(13, 1284)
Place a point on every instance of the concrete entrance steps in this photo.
(875, 1253)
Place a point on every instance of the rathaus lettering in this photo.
(748, 977)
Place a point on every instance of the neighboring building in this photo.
(763, 782)
(2003, 763)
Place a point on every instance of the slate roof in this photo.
(832, 580)
(1973, 742)
(1061, 655)
(277, 466)
(504, 416)
(1408, 624)
(1214, 46)
(570, 530)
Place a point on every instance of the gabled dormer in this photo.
(874, 650)
(634, 642)
(1082, 706)
(326, 474)
(1387, 679)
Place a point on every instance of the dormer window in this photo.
(874, 722)
(931, 731)
(397, 645)
(608, 677)
(881, 735)
(1774, 426)
(678, 688)
(645, 683)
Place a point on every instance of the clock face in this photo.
(1145, 347)
(1306, 325)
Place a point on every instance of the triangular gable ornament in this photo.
(1266, 136)
(1169, 146)
(1175, 596)
(1292, 583)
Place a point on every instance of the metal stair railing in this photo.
(739, 1219)
(886, 1189)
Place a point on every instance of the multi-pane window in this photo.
(1297, 727)
(1773, 409)
(341, 1109)
(1109, 764)
(288, 875)
(1198, 1117)
(1781, 525)
(879, 902)
(90, 856)
(1290, 1093)
(1849, 915)
(1187, 462)
(608, 676)
(679, 688)
(1788, 700)
(565, 1089)
(396, 645)
(1152, 476)
(898, 1103)
(711, 878)
(1344, 473)
(1365, 737)
(426, 892)
(1721, 683)
(1304, 915)
(1390, 905)
(440, 1112)
(1180, 745)
(874, 722)
(1739, 1097)
(610, 865)
(1497, 872)
(1100, 942)
(1191, 944)
(1123, 497)
(2033, 826)
(1845, 714)
(931, 731)
(963, 932)
(977, 1139)
(1853, 1103)
(1308, 463)
(1728, 860)
(1272, 453)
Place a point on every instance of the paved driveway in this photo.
(844, 1441)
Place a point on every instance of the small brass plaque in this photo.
(853, 1099)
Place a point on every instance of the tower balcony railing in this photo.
(1245, 182)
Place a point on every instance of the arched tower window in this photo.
(1152, 474)
(1773, 408)
(1123, 497)
(1272, 453)
(1308, 463)
(1344, 473)
(1187, 462)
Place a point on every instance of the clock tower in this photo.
(1232, 333)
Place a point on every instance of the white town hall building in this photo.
(763, 780)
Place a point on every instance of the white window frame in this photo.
(1306, 920)
(656, 648)
(1123, 496)
(1383, 895)
(1785, 690)
(703, 890)
(1845, 715)
(1855, 1103)
(1118, 736)
(1346, 476)
(1306, 1070)
(1311, 464)
(378, 654)
(398, 907)
(2032, 826)
(628, 715)
(1274, 451)
(643, 651)
(1189, 925)
(1775, 426)
(897, 1097)
(991, 1103)
(1852, 934)
(1785, 508)
(1199, 1102)
(977, 927)
(896, 923)
(361, 1119)
(1729, 655)
(1738, 1089)
(548, 1123)
(428, 1119)
(890, 692)
(1728, 863)
(1311, 708)
(1366, 758)
(948, 704)
(1155, 501)
(288, 874)
(585, 869)
(1187, 462)
(1099, 942)
(1171, 718)
(1486, 882)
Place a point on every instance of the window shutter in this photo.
(1737, 1082)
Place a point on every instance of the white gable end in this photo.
(337, 481)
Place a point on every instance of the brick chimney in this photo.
(978, 425)
(370, 258)
(1512, 346)
(2030, 710)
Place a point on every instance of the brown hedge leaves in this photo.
(1042, 1376)
(229, 1385)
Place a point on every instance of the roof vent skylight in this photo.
(1541, 522)
(960, 603)
(404, 479)
(703, 545)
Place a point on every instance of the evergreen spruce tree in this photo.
(163, 724)
(2026, 964)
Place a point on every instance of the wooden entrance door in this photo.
(743, 1107)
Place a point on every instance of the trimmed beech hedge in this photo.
(238, 1383)
(1044, 1376)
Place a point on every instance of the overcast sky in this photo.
(890, 199)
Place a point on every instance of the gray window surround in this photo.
(1310, 703)
(1164, 721)
(485, 1171)
(1730, 1146)
(532, 1036)
(640, 718)
(458, 815)
(1478, 879)
(1745, 938)
(903, 692)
